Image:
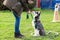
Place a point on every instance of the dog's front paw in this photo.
(36, 35)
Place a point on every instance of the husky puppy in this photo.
(38, 27)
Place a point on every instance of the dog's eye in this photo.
(36, 12)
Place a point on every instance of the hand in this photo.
(30, 2)
(29, 11)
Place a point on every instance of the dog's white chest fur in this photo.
(34, 15)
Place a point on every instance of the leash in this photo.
(27, 16)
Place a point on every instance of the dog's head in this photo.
(36, 14)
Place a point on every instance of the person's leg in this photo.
(17, 22)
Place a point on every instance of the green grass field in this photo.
(7, 26)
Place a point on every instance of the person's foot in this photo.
(18, 35)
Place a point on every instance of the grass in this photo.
(7, 26)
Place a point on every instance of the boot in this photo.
(18, 35)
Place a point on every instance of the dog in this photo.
(36, 23)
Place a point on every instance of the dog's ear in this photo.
(40, 12)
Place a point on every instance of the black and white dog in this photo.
(38, 27)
